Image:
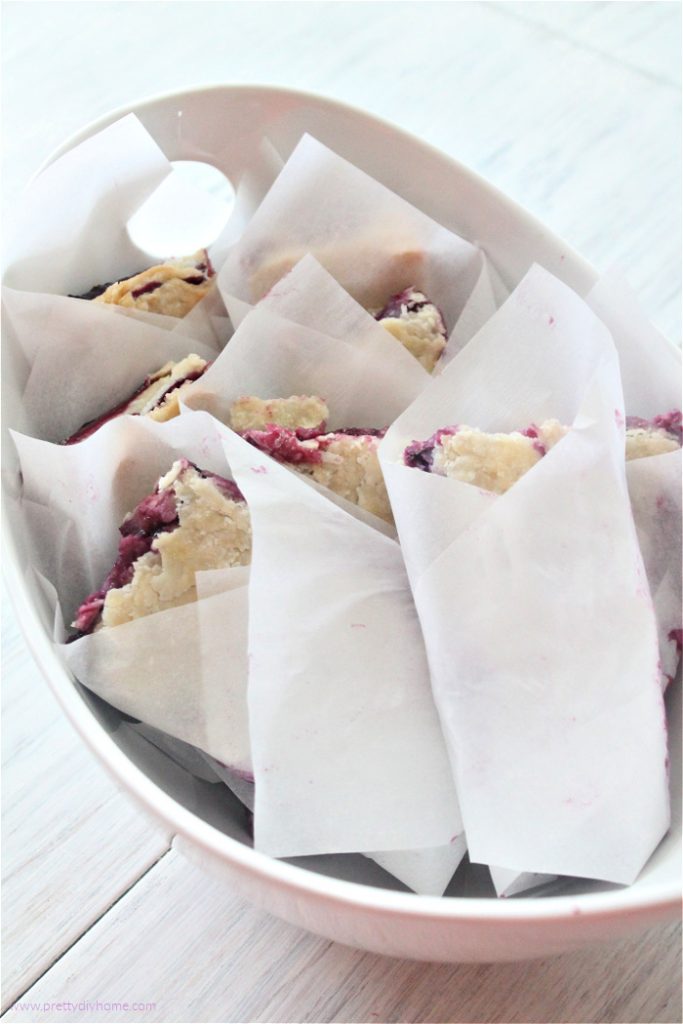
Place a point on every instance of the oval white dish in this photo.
(222, 125)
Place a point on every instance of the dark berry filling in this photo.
(407, 303)
(205, 267)
(401, 303)
(286, 445)
(92, 425)
(676, 637)
(100, 289)
(420, 454)
(283, 444)
(360, 432)
(157, 513)
(669, 421)
(538, 445)
(144, 289)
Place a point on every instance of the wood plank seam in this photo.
(22, 995)
(505, 12)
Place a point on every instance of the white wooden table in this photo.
(573, 109)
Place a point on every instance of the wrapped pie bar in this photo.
(172, 288)
(193, 521)
(77, 365)
(346, 747)
(177, 657)
(345, 461)
(373, 242)
(310, 296)
(417, 323)
(292, 430)
(315, 402)
(532, 593)
(495, 462)
(157, 397)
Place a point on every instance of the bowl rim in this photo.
(660, 896)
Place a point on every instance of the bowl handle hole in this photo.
(188, 211)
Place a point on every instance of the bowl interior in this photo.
(225, 127)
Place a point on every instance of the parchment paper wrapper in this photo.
(373, 242)
(346, 746)
(654, 487)
(70, 228)
(513, 883)
(74, 367)
(183, 670)
(426, 872)
(537, 617)
(651, 378)
(310, 296)
(365, 381)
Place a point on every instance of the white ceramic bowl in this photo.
(345, 898)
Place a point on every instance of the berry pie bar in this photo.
(157, 397)
(193, 521)
(302, 412)
(345, 461)
(292, 430)
(495, 462)
(653, 437)
(417, 323)
(172, 288)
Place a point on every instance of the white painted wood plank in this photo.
(183, 942)
(586, 142)
(72, 843)
(645, 36)
(568, 108)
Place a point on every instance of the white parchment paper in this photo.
(272, 357)
(346, 745)
(425, 871)
(651, 377)
(70, 229)
(537, 616)
(183, 670)
(372, 241)
(80, 361)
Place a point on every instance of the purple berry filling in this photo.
(144, 289)
(405, 303)
(671, 422)
(96, 290)
(157, 513)
(205, 267)
(676, 637)
(92, 425)
(420, 454)
(400, 304)
(283, 444)
(361, 431)
(538, 445)
(286, 445)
